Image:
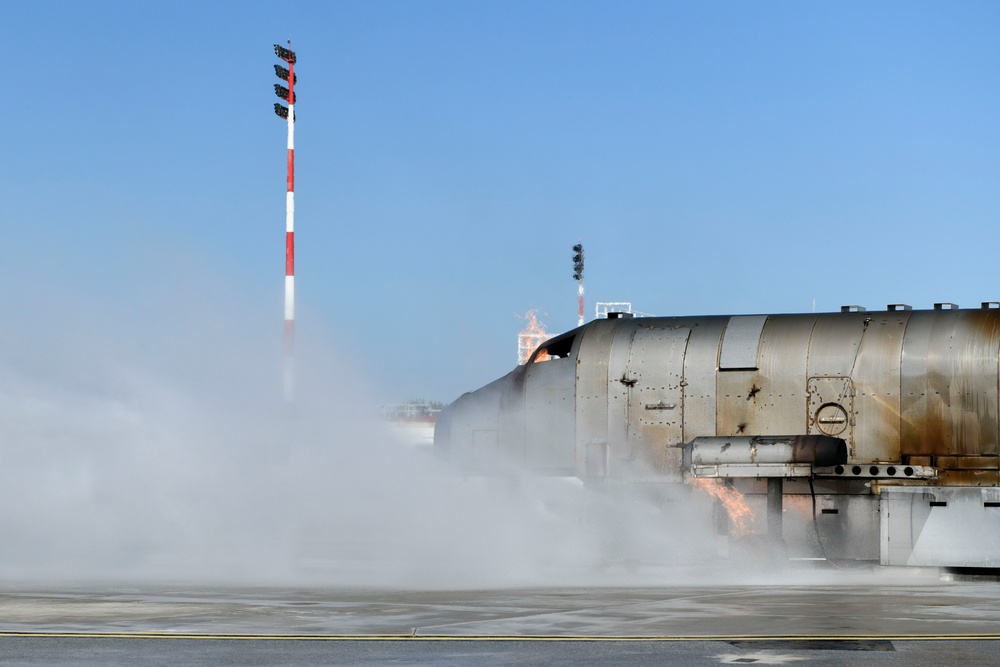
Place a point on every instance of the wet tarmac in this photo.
(97, 652)
(911, 620)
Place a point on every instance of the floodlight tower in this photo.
(578, 277)
(288, 113)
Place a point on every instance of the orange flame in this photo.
(741, 517)
(530, 338)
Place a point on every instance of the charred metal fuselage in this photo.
(913, 395)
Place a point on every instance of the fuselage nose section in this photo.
(467, 431)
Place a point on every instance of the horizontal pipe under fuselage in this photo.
(817, 450)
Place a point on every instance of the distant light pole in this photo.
(288, 113)
(578, 277)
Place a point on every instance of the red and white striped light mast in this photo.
(578, 277)
(289, 114)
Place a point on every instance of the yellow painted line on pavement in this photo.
(505, 638)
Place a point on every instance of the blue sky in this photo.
(713, 157)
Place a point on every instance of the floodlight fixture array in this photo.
(578, 277)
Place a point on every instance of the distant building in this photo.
(413, 421)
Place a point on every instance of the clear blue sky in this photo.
(713, 157)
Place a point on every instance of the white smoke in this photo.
(152, 445)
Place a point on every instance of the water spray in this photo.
(578, 277)
(288, 113)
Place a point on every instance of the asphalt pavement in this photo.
(872, 620)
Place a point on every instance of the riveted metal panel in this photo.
(831, 408)
(876, 388)
(592, 399)
(769, 400)
(833, 350)
(467, 431)
(734, 411)
(776, 406)
(949, 396)
(511, 416)
(655, 405)
(550, 417)
(914, 402)
(834, 343)
(741, 341)
(700, 369)
(619, 380)
(966, 462)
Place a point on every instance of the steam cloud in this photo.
(157, 449)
